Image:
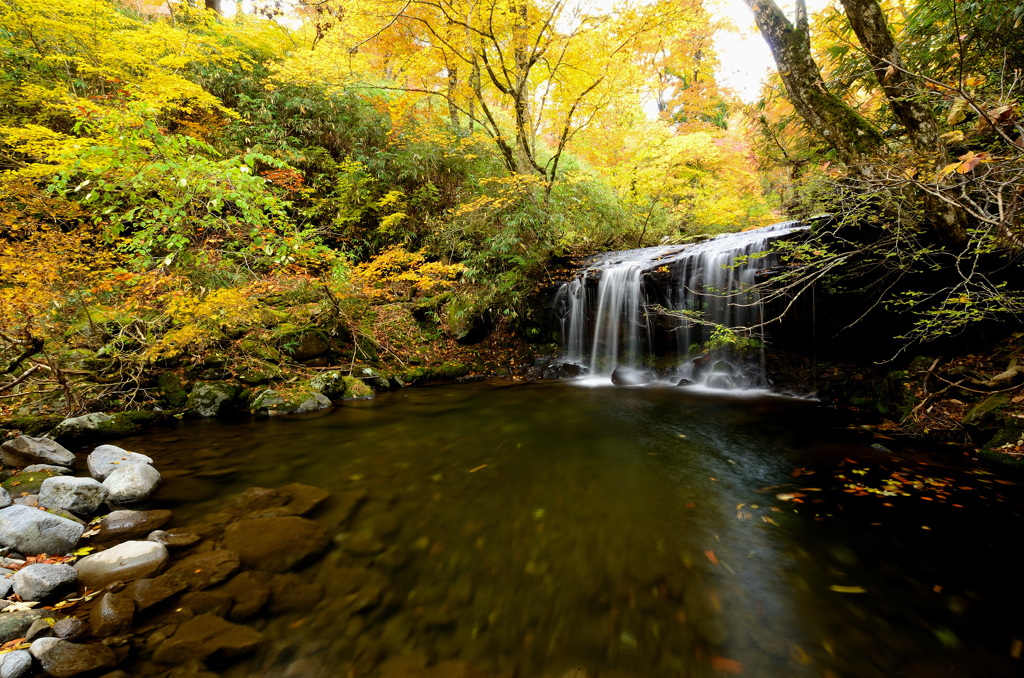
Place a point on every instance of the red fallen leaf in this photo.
(797, 473)
(711, 556)
(11, 644)
(726, 665)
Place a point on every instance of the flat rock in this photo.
(290, 592)
(31, 531)
(215, 602)
(249, 592)
(106, 459)
(112, 615)
(124, 525)
(203, 570)
(302, 498)
(130, 484)
(17, 664)
(62, 659)
(124, 562)
(44, 582)
(81, 496)
(206, 635)
(16, 624)
(276, 544)
(149, 592)
(47, 468)
(25, 451)
(173, 539)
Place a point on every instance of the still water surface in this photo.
(548, 528)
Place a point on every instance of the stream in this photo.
(552, 529)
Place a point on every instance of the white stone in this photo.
(125, 562)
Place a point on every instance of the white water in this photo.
(611, 326)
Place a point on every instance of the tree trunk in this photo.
(828, 116)
(453, 84)
(214, 5)
(521, 91)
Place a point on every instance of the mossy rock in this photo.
(445, 372)
(26, 483)
(257, 375)
(174, 395)
(356, 389)
(277, 402)
(214, 399)
(260, 349)
(896, 395)
(987, 411)
(270, 317)
(99, 426)
(302, 343)
(31, 425)
(337, 386)
(1006, 440)
(373, 378)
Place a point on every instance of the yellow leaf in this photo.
(848, 589)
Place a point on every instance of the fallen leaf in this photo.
(848, 589)
(711, 556)
(726, 665)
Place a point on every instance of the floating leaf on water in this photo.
(724, 665)
(538, 513)
(711, 556)
(848, 589)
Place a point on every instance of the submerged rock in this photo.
(207, 635)
(25, 451)
(276, 544)
(123, 525)
(31, 531)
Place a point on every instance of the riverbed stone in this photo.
(216, 602)
(212, 399)
(5, 498)
(106, 459)
(62, 659)
(290, 592)
(31, 531)
(40, 629)
(273, 403)
(132, 484)
(83, 427)
(302, 498)
(149, 592)
(17, 664)
(70, 628)
(26, 451)
(14, 624)
(48, 468)
(249, 592)
(123, 525)
(203, 570)
(205, 635)
(81, 496)
(173, 539)
(124, 562)
(276, 544)
(44, 582)
(112, 615)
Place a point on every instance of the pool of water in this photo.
(550, 529)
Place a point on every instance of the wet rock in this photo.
(257, 499)
(249, 592)
(173, 539)
(62, 659)
(274, 403)
(685, 382)
(290, 592)
(31, 531)
(302, 498)
(70, 628)
(5, 498)
(216, 603)
(17, 664)
(106, 459)
(124, 562)
(81, 496)
(149, 592)
(203, 570)
(40, 629)
(113, 615)
(362, 543)
(131, 484)
(276, 544)
(124, 525)
(213, 399)
(347, 503)
(207, 635)
(26, 451)
(16, 624)
(44, 582)
(624, 376)
(47, 468)
(191, 669)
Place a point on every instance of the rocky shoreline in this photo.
(91, 583)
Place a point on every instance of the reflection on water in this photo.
(546, 529)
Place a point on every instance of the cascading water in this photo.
(622, 307)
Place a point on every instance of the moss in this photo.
(31, 425)
(96, 427)
(355, 389)
(174, 395)
(214, 399)
(259, 349)
(445, 372)
(26, 483)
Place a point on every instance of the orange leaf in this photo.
(726, 665)
(711, 556)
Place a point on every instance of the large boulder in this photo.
(274, 403)
(212, 399)
(44, 582)
(131, 484)
(81, 496)
(25, 451)
(125, 562)
(207, 635)
(31, 531)
(106, 459)
(62, 659)
(83, 427)
(276, 544)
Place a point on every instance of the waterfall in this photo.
(624, 307)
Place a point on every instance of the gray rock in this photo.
(75, 428)
(205, 635)
(5, 498)
(81, 496)
(25, 451)
(212, 399)
(6, 584)
(15, 624)
(112, 615)
(31, 531)
(106, 459)
(125, 562)
(17, 664)
(131, 484)
(70, 628)
(297, 401)
(62, 659)
(56, 470)
(40, 629)
(44, 582)
(122, 525)
(331, 384)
